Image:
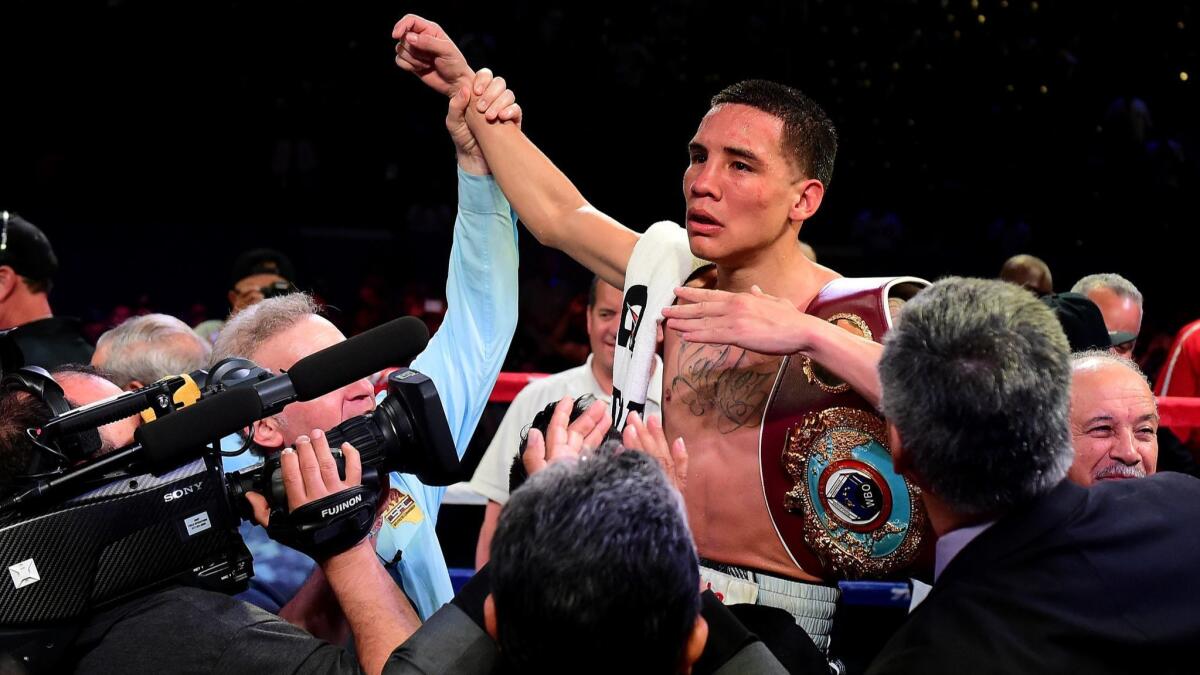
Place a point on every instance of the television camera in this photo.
(79, 533)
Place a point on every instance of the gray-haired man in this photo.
(1121, 304)
(463, 359)
(145, 349)
(1114, 419)
(1033, 573)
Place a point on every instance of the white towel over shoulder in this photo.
(661, 261)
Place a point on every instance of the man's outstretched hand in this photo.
(425, 50)
(566, 441)
(490, 96)
(756, 321)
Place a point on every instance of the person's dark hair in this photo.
(592, 291)
(592, 562)
(809, 137)
(976, 378)
(38, 285)
(517, 474)
(1029, 272)
(19, 410)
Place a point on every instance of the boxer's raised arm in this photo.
(548, 203)
(551, 208)
(424, 49)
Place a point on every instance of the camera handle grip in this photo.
(329, 525)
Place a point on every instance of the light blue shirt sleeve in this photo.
(465, 355)
(463, 359)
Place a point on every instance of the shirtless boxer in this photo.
(759, 164)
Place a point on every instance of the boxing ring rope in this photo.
(508, 384)
(1173, 411)
(1179, 412)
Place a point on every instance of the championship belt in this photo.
(839, 507)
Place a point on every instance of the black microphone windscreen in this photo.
(391, 344)
(91, 417)
(179, 437)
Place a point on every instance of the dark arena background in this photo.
(153, 141)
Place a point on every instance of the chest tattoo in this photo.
(725, 381)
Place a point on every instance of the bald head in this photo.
(83, 387)
(1028, 272)
(1114, 420)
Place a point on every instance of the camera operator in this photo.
(182, 627)
(209, 631)
(463, 359)
(374, 606)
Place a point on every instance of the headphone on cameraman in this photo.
(50, 457)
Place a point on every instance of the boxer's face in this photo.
(741, 190)
(307, 336)
(1113, 423)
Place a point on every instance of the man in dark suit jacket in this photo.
(1032, 573)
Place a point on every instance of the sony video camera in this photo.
(406, 433)
(87, 534)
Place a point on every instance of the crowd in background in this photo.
(1006, 421)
